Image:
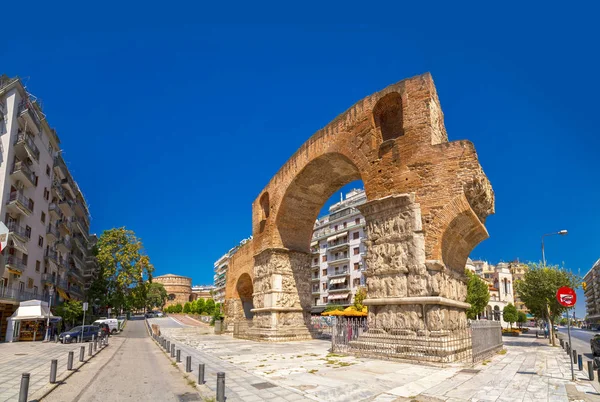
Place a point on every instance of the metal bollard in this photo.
(53, 366)
(173, 350)
(24, 387)
(580, 362)
(188, 364)
(95, 345)
(55, 338)
(90, 350)
(70, 361)
(562, 343)
(107, 340)
(168, 346)
(178, 360)
(574, 356)
(591, 370)
(220, 386)
(81, 353)
(201, 374)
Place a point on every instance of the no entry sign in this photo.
(566, 296)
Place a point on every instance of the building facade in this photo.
(49, 245)
(220, 278)
(202, 292)
(179, 288)
(338, 250)
(518, 271)
(592, 294)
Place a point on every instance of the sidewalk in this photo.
(34, 358)
(528, 371)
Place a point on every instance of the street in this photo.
(138, 371)
(580, 339)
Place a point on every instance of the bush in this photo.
(332, 307)
(511, 332)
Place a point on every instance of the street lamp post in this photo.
(549, 322)
(50, 294)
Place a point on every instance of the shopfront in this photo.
(28, 323)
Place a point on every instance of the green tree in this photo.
(538, 290)
(478, 295)
(124, 269)
(187, 307)
(177, 308)
(216, 315)
(359, 297)
(157, 295)
(193, 306)
(510, 314)
(521, 318)
(209, 307)
(200, 306)
(71, 311)
(563, 321)
(332, 307)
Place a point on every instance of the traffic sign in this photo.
(3, 236)
(85, 306)
(566, 296)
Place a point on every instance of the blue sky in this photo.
(173, 119)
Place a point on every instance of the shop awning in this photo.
(338, 297)
(33, 310)
(331, 238)
(314, 243)
(18, 245)
(62, 294)
(337, 280)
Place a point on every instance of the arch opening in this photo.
(245, 290)
(388, 116)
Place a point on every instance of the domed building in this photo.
(179, 288)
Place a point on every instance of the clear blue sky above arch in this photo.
(173, 126)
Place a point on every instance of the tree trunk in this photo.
(550, 328)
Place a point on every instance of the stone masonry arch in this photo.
(427, 203)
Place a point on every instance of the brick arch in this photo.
(428, 200)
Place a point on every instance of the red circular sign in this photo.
(566, 296)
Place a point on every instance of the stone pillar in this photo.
(406, 294)
(281, 295)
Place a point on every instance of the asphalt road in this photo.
(580, 339)
(138, 371)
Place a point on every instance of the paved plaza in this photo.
(529, 370)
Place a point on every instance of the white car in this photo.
(159, 314)
(113, 324)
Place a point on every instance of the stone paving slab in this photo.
(530, 370)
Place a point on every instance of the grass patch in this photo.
(485, 362)
(192, 383)
(335, 355)
(174, 364)
(502, 352)
(261, 365)
(299, 356)
(209, 400)
(344, 364)
(313, 371)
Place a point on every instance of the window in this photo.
(40, 241)
(324, 298)
(324, 286)
(355, 235)
(344, 225)
(324, 258)
(28, 232)
(46, 194)
(29, 283)
(31, 204)
(324, 273)
(21, 286)
(335, 227)
(316, 301)
(356, 250)
(11, 251)
(316, 261)
(37, 266)
(35, 290)
(47, 170)
(36, 180)
(357, 282)
(25, 256)
(356, 266)
(357, 221)
(43, 217)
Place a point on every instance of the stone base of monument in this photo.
(278, 334)
(424, 346)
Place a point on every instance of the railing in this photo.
(21, 166)
(343, 272)
(25, 139)
(343, 257)
(20, 231)
(65, 223)
(27, 106)
(487, 338)
(64, 242)
(314, 278)
(340, 214)
(52, 230)
(54, 207)
(320, 233)
(18, 197)
(84, 227)
(49, 278)
(15, 262)
(52, 255)
(19, 295)
(346, 288)
(58, 188)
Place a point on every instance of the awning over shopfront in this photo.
(337, 236)
(338, 297)
(18, 245)
(337, 280)
(32, 310)
(63, 294)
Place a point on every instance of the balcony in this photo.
(63, 284)
(25, 147)
(51, 255)
(66, 206)
(335, 289)
(339, 259)
(15, 264)
(18, 231)
(64, 227)
(20, 171)
(316, 292)
(69, 186)
(63, 245)
(52, 233)
(339, 274)
(19, 204)
(48, 279)
(28, 115)
(76, 291)
(78, 261)
(18, 295)
(338, 245)
(74, 273)
(55, 211)
(60, 168)
(58, 191)
(314, 278)
(79, 224)
(81, 209)
(79, 241)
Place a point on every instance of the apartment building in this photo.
(42, 206)
(220, 277)
(338, 250)
(518, 271)
(500, 284)
(592, 294)
(202, 292)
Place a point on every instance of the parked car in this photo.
(113, 324)
(158, 313)
(149, 315)
(595, 345)
(72, 334)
